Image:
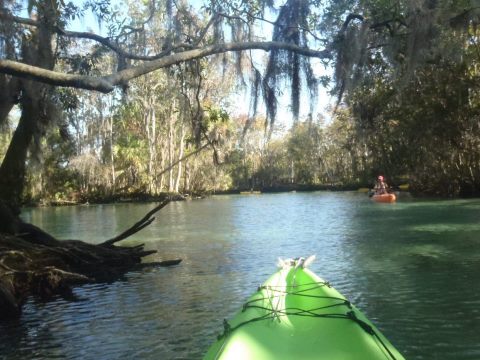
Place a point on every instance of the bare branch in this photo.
(117, 49)
(175, 163)
(260, 18)
(139, 225)
(141, 27)
(347, 21)
(5, 15)
(105, 41)
(204, 31)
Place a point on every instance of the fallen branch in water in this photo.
(32, 262)
(144, 222)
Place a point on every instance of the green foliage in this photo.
(303, 150)
(52, 179)
(406, 71)
(275, 167)
(215, 116)
(424, 125)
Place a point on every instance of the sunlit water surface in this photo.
(413, 267)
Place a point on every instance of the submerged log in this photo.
(32, 262)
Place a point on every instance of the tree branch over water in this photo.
(107, 83)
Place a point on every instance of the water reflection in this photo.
(416, 281)
(412, 267)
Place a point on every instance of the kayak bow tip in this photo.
(299, 262)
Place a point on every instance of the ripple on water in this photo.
(413, 268)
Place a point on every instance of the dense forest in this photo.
(404, 76)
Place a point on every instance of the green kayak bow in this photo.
(297, 315)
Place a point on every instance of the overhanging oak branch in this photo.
(107, 83)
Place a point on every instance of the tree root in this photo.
(33, 262)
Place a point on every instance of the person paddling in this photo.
(381, 186)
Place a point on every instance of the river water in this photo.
(412, 267)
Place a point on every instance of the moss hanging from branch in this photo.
(290, 27)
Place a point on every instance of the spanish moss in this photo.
(290, 27)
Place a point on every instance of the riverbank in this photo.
(142, 197)
(295, 187)
(137, 197)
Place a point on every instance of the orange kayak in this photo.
(386, 198)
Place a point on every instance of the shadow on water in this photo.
(419, 265)
(413, 267)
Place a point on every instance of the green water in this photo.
(412, 267)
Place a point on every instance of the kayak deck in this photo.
(297, 315)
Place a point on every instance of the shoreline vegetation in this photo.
(143, 197)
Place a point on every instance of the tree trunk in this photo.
(186, 183)
(13, 168)
(9, 85)
(112, 157)
(9, 88)
(292, 171)
(36, 111)
(162, 175)
(154, 150)
(151, 130)
(180, 156)
(170, 148)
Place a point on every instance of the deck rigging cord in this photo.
(271, 297)
(273, 312)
